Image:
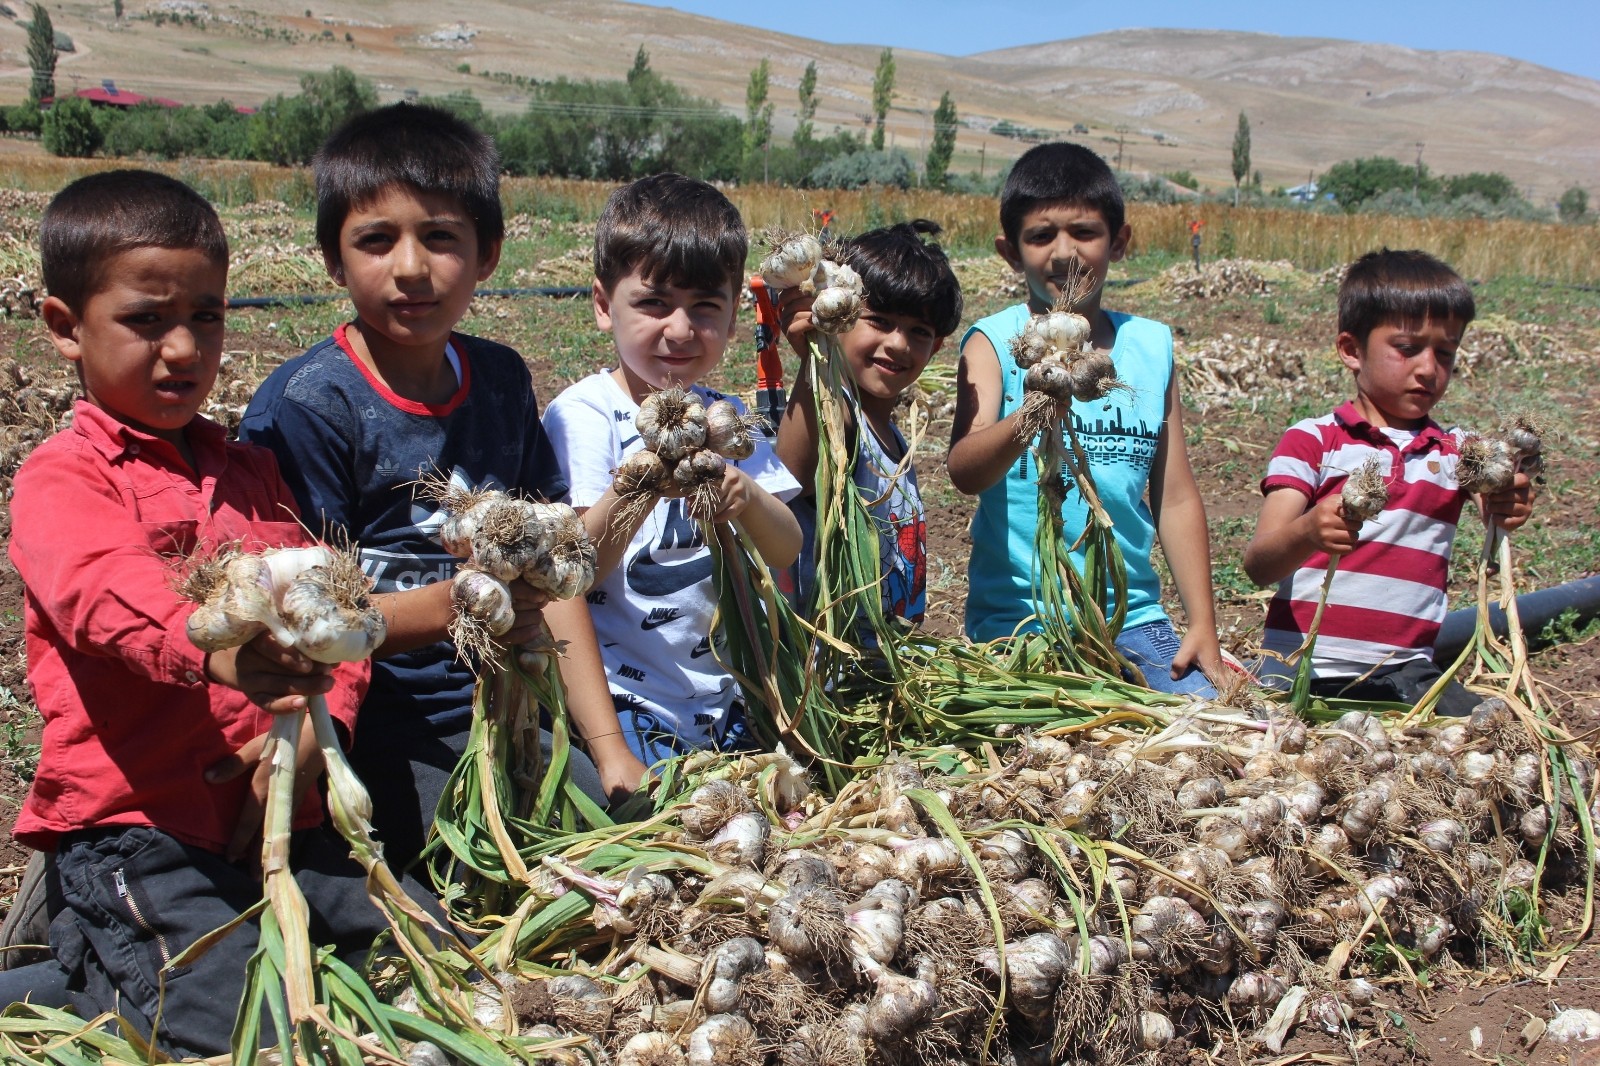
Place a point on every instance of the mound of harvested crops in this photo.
(1224, 277)
(1228, 370)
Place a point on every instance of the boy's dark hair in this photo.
(1059, 173)
(1409, 287)
(675, 231)
(420, 147)
(906, 275)
(100, 215)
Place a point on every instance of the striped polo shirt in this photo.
(1388, 596)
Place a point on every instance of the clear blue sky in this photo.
(1563, 34)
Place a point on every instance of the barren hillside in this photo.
(1166, 99)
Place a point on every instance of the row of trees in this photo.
(582, 128)
(1383, 184)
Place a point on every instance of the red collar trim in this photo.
(395, 400)
(1431, 432)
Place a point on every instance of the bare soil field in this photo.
(1255, 351)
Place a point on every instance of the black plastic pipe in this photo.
(301, 299)
(1536, 609)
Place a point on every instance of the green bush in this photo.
(289, 129)
(24, 118)
(893, 167)
(616, 130)
(69, 129)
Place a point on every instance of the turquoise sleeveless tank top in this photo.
(1119, 434)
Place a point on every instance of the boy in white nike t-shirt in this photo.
(669, 256)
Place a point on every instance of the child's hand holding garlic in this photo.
(275, 678)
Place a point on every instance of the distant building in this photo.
(1304, 193)
(108, 95)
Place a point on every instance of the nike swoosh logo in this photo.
(656, 623)
(701, 649)
(650, 578)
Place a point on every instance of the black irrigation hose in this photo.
(301, 299)
(1535, 610)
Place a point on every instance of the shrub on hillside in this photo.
(69, 129)
(893, 168)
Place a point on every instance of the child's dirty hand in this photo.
(527, 605)
(734, 495)
(1327, 528)
(274, 678)
(308, 766)
(794, 316)
(1513, 507)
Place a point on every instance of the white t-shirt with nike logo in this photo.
(653, 613)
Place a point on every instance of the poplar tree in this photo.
(808, 105)
(41, 55)
(758, 114)
(944, 141)
(882, 94)
(1241, 155)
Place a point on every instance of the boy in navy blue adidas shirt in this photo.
(409, 221)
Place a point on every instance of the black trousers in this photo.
(1407, 682)
(133, 899)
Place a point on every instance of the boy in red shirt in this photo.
(1401, 318)
(139, 794)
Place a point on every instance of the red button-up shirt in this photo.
(131, 721)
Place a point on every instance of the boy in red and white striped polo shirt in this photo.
(1401, 317)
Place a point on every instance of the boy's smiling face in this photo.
(1055, 239)
(1402, 369)
(410, 261)
(886, 353)
(665, 334)
(148, 340)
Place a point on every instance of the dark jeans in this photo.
(406, 769)
(1406, 683)
(132, 899)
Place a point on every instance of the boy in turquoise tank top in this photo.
(1061, 214)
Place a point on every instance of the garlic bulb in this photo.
(1487, 464)
(793, 263)
(1156, 1030)
(742, 840)
(651, 1049)
(483, 597)
(723, 1040)
(902, 1006)
(1364, 493)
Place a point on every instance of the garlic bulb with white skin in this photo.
(723, 1040)
(793, 264)
(877, 925)
(483, 598)
(1034, 969)
(902, 1006)
(1486, 465)
(725, 966)
(651, 1049)
(330, 617)
(1364, 494)
(729, 433)
(239, 605)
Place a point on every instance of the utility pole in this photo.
(983, 148)
(1121, 133)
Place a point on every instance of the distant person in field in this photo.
(669, 255)
(1401, 319)
(409, 221)
(153, 819)
(912, 304)
(1061, 214)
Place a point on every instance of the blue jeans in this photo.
(1152, 647)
